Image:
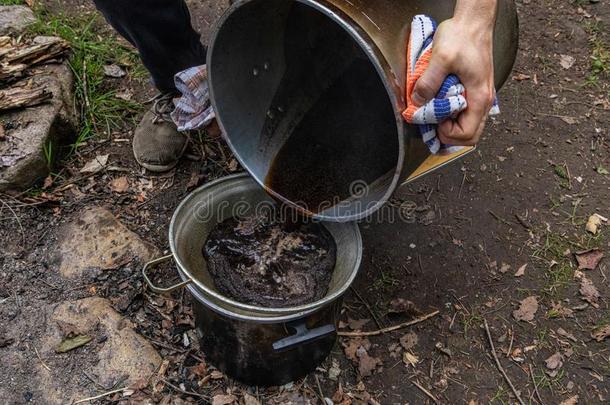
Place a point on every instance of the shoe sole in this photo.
(162, 168)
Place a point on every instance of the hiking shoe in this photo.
(157, 144)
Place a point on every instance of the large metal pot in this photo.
(256, 345)
(269, 62)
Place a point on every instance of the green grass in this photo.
(600, 53)
(99, 110)
(11, 2)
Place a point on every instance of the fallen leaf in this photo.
(408, 340)
(520, 77)
(193, 181)
(554, 363)
(410, 359)
(527, 309)
(521, 271)
(233, 165)
(504, 267)
(366, 363)
(566, 61)
(588, 260)
(351, 346)
(403, 306)
(601, 333)
(566, 334)
(357, 324)
(559, 310)
(216, 375)
(570, 401)
(594, 223)
(48, 182)
(72, 343)
(250, 400)
(602, 170)
(334, 371)
(569, 120)
(114, 71)
(119, 185)
(589, 292)
(125, 94)
(95, 165)
(223, 399)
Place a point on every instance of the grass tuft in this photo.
(99, 110)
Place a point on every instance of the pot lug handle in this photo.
(302, 335)
(152, 286)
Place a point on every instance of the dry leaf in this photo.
(566, 334)
(96, 164)
(403, 306)
(366, 363)
(351, 346)
(357, 324)
(521, 271)
(570, 401)
(601, 333)
(566, 61)
(72, 343)
(527, 309)
(520, 77)
(223, 399)
(120, 184)
(560, 310)
(504, 268)
(554, 363)
(594, 223)
(250, 400)
(589, 259)
(114, 71)
(409, 340)
(48, 182)
(410, 359)
(589, 292)
(216, 375)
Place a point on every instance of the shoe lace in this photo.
(163, 105)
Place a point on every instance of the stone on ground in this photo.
(30, 132)
(15, 19)
(115, 355)
(97, 240)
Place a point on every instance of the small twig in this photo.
(462, 186)
(319, 389)
(421, 267)
(425, 391)
(390, 328)
(535, 385)
(196, 394)
(499, 218)
(510, 346)
(105, 394)
(366, 304)
(499, 365)
(41, 360)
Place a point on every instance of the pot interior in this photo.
(236, 196)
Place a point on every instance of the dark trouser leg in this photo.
(162, 32)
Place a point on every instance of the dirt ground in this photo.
(494, 239)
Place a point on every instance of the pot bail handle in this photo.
(302, 335)
(152, 286)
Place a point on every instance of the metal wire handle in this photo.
(152, 286)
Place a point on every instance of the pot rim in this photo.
(207, 291)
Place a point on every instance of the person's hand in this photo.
(465, 48)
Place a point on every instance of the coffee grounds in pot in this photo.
(260, 261)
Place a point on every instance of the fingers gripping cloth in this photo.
(193, 109)
(450, 100)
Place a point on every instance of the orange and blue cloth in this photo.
(450, 100)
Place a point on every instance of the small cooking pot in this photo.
(256, 345)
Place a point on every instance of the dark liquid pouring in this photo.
(342, 139)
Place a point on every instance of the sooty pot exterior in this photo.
(267, 354)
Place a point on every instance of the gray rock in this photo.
(114, 352)
(29, 131)
(15, 19)
(97, 240)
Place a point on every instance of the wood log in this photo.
(20, 97)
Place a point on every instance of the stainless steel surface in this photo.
(155, 288)
(239, 194)
(257, 79)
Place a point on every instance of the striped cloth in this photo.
(449, 101)
(193, 109)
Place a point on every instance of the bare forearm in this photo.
(478, 13)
